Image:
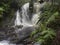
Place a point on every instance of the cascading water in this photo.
(22, 19)
(4, 42)
(28, 23)
(17, 21)
(25, 17)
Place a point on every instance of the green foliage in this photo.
(6, 6)
(8, 9)
(52, 18)
(1, 11)
(49, 13)
(46, 34)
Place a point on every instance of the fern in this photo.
(45, 34)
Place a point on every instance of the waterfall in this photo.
(25, 17)
(22, 20)
(17, 21)
(22, 17)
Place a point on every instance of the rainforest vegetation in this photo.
(48, 30)
(49, 25)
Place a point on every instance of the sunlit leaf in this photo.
(1, 9)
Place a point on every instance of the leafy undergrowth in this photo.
(45, 34)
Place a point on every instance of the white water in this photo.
(5, 42)
(25, 17)
(25, 20)
(22, 17)
(17, 21)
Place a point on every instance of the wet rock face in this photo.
(25, 33)
(20, 36)
(2, 34)
(20, 26)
